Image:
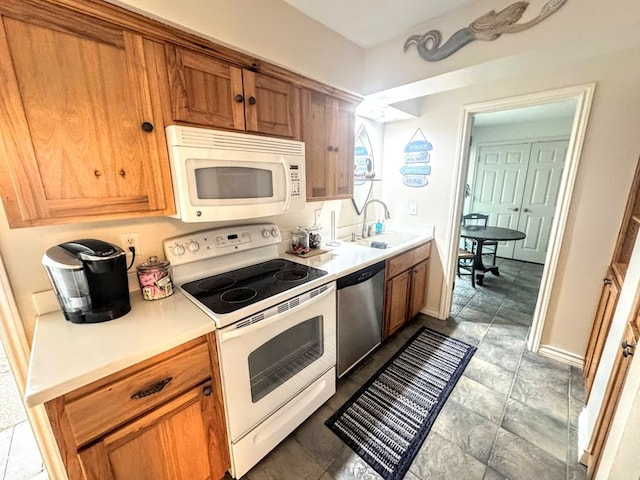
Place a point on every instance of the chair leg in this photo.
(473, 276)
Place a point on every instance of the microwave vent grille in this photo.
(239, 142)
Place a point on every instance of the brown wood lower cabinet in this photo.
(405, 287)
(600, 330)
(612, 396)
(171, 428)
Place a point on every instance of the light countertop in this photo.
(66, 356)
(349, 257)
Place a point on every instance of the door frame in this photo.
(583, 96)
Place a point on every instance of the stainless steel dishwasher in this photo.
(360, 296)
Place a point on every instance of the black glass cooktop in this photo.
(230, 291)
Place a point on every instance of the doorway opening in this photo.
(582, 96)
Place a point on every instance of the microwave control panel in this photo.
(294, 180)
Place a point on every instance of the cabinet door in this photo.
(328, 126)
(418, 297)
(272, 106)
(315, 134)
(174, 442)
(343, 141)
(82, 130)
(205, 90)
(396, 301)
(600, 330)
(611, 396)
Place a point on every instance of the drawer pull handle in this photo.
(155, 389)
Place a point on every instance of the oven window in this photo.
(285, 355)
(218, 183)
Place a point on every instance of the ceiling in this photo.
(370, 22)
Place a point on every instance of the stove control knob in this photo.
(178, 250)
(193, 246)
(274, 232)
(265, 233)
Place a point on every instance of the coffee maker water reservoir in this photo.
(89, 278)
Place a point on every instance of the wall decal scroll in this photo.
(416, 161)
(487, 27)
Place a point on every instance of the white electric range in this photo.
(276, 331)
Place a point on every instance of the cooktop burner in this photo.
(230, 291)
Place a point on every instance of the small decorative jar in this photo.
(300, 241)
(154, 277)
(315, 237)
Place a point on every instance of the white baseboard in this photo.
(561, 356)
(432, 313)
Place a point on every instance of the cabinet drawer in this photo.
(406, 260)
(129, 395)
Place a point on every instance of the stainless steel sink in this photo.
(391, 239)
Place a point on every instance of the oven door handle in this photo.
(230, 332)
(287, 182)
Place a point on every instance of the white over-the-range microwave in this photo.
(219, 175)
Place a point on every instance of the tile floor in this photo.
(513, 414)
(19, 455)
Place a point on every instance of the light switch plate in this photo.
(413, 208)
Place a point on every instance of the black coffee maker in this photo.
(89, 278)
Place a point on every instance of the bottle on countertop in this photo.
(378, 227)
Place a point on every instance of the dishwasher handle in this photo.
(360, 276)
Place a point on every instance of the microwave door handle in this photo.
(236, 332)
(287, 181)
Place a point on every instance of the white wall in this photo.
(602, 185)
(578, 30)
(268, 29)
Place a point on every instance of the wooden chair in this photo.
(489, 247)
(465, 262)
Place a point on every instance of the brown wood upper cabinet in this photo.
(82, 131)
(328, 130)
(208, 91)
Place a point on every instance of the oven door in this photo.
(266, 363)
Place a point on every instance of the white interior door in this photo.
(539, 199)
(498, 186)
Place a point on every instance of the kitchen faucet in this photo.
(364, 211)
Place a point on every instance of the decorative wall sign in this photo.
(363, 166)
(416, 161)
(487, 27)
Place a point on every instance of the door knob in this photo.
(514, 209)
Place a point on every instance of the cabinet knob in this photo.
(526, 210)
(239, 98)
(207, 391)
(147, 127)
(627, 349)
(607, 281)
(252, 100)
(122, 173)
(330, 148)
(514, 209)
(335, 149)
(97, 173)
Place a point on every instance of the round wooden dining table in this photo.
(481, 234)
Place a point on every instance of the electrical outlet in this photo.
(130, 240)
(318, 215)
(413, 208)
